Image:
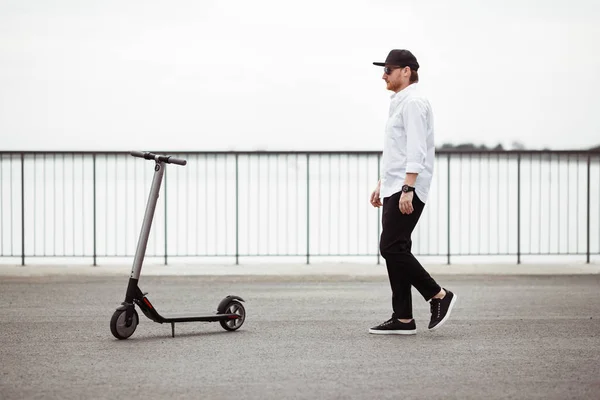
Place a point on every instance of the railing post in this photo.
(587, 258)
(94, 206)
(237, 196)
(307, 208)
(519, 208)
(448, 216)
(22, 209)
(378, 211)
(166, 225)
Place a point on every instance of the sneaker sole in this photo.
(447, 314)
(378, 332)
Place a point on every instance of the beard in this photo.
(393, 86)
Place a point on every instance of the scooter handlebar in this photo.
(158, 157)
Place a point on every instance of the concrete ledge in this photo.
(273, 269)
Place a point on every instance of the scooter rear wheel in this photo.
(117, 324)
(234, 307)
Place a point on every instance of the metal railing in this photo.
(294, 204)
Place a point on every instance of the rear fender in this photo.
(223, 304)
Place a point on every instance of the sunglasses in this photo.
(389, 70)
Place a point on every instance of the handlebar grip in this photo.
(177, 161)
(157, 157)
(138, 154)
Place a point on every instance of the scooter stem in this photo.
(159, 170)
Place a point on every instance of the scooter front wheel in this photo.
(117, 324)
(234, 307)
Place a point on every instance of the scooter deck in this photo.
(200, 318)
(206, 318)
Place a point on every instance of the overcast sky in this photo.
(278, 75)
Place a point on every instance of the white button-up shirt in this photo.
(408, 145)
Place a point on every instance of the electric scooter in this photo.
(230, 311)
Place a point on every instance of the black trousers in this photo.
(403, 268)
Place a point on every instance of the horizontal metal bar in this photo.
(304, 255)
(322, 152)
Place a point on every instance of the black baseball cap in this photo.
(400, 58)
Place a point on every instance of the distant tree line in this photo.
(470, 147)
(482, 147)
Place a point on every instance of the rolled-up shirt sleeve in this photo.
(415, 125)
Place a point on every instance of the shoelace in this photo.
(436, 304)
(388, 322)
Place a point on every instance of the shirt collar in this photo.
(404, 92)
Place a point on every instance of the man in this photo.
(407, 166)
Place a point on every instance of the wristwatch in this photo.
(406, 188)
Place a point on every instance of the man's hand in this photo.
(405, 203)
(375, 196)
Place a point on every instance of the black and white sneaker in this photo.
(394, 327)
(440, 309)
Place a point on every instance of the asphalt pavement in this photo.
(305, 337)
